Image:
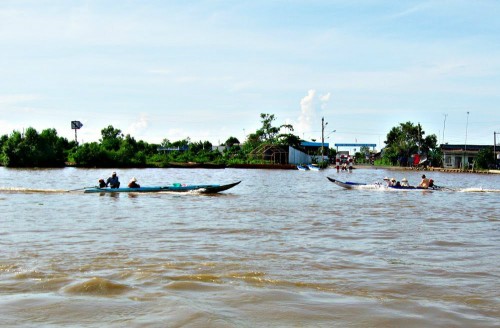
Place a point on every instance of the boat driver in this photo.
(424, 183)
(113, 181)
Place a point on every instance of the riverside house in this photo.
(460, 156)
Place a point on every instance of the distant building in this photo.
(313, 149)
(460, 156)
(220, 149)
(170, 149)
(287, 154)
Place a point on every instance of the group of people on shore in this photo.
(425, 183)
(113, 182)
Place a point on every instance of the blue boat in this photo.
(176, 187)
(313, 167)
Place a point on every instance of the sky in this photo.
(206, 70)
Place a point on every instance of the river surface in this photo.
(284, 248)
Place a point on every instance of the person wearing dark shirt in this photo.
(113, 181)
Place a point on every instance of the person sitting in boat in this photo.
(393, 182)
(102, 184)
(387, 181)
(133, 183)
(431, 183)
(113, 181)
(404, 182)
(424, 183)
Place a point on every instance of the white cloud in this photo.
(6, 127)
(307, 112)
(312, 107)
(138, 127)
(14, 99)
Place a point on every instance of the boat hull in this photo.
(313, 167)
(349, 185)
(415, 188)
(205, 189)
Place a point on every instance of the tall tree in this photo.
(111, 138)
(231, 141)
(267, 132)
(405, 140)
(271, 134)
(32, 149)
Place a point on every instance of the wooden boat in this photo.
(356, 185)
(176, 187)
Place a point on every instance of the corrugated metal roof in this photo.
(313, 144)
(447, 147)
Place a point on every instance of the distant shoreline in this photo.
(193, 165)
(431, 169)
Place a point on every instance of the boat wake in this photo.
(475, 189)
(370, 187)
(14, 190)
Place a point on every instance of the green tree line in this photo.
(114, 149)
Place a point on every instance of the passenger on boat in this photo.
(431, 183)
(113, 181)
(102, 184)
(133, 183)
(404, 182)
(424, 183)
(393, 182)
(387, 181)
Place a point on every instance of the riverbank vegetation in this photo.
(114, 149)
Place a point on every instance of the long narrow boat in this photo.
(177, 187)
(357, 185)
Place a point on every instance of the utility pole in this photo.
(444, 127)
(419, 138)
(495, 147)
(323, 124)
(465, 150)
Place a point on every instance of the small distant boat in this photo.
(302, 168)
(313, 167)
(176, 187)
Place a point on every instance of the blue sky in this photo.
(207, 69)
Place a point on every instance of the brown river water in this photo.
(284, 248)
